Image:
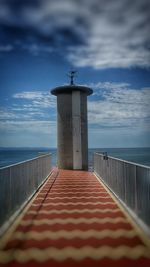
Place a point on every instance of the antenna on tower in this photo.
(71, 75)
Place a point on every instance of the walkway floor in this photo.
(74, 221)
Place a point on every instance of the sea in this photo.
(10, 156)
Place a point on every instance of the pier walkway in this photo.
(74, 220)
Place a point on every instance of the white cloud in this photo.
(123, 107)
(4, 115)
(118, 37)
(31, 126)
(37, 99)
(19, 114)
(107, 86)
(115, 109)
(54, 15)
(29, 112)
(29, 120)
(113, 105)
(109, 33)
(30, 95)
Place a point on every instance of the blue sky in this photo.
(107, 42)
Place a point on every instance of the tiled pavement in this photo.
(74, 221)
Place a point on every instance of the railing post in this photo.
(135, 188)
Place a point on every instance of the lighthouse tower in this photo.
(72, 132)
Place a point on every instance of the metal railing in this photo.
(19, 182)
(129, 181)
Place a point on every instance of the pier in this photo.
(76, 218)
(70, 216)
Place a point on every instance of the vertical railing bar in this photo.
(135, 177)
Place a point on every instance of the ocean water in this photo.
(9, 156)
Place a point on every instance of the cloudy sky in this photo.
(107, 42)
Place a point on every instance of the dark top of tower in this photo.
(67, 89)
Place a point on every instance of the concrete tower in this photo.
(72, 137)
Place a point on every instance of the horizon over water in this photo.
(13, 155)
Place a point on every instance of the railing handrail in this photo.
(129, 182)
(22, 162)
(125, 161)
(25, 178)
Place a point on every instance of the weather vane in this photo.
(72, 74)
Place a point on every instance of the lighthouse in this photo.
(72, 127)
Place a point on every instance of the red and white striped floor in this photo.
(75, 221)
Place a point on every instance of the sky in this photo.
(106, 42)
